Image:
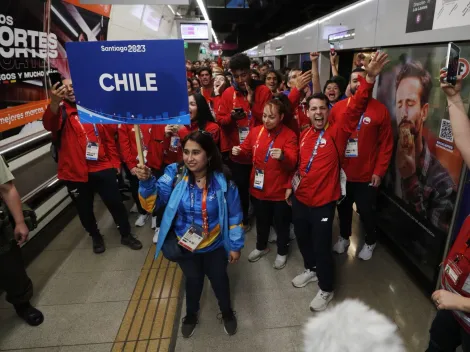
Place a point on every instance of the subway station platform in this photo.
(124, 300)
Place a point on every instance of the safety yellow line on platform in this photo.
(150, 317)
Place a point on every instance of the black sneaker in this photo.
(98, 244)
(190, 322)
(29, 314)
(230, 322)
(131, 242)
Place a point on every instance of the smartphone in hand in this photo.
(306, 66)
(55, 77)
(452, 64)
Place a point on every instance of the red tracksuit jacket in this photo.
(277, 173)
(300, 110)
(73, 165)
(211, 127)
(229, 128)
(375, 141)
(321, 185)
(155, 147)
(128, 145)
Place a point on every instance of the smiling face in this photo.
(271, 81)
(70, 96)
(332, 92)
(271, 117)
(293, 77)
(194, 157)
(192, 107)
(196, 84)
(318, 112)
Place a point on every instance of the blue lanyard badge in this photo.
(315, 150)
(360, 123)
(96, 131)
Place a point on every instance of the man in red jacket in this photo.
(366, 161)
(316, 184)
(207, 84)
(88, 161)
(241, 108)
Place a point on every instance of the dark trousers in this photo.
(365, 198)
(213, 264)
(82, 194)
(241, 176)
(134, 184)
(314, 228)
(13, 277)
(446, 334)
(275, 213)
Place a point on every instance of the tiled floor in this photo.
(271, 312)
(87, 299)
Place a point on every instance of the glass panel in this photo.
(215, 3)
(293, 61)
(237, 4)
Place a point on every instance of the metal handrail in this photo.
(25, 145)
(37, 195)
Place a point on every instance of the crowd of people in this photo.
(278, 149)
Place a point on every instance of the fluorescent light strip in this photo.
(346, 9)
(64, 20)
(206, 17)
(171, 8)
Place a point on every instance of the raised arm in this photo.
(315, 74)
(458, 117)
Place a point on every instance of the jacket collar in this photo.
(218, 177)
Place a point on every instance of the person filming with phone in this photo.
(451, 326)
(87, 162)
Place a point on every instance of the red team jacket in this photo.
(300, 110)
(127, 143)
(73, 165)
(277, 173)
(229, 128)
(375, 141)
(321, 185)
(211, 127)
(456, 274)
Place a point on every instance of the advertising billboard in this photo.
(34, 33)
(420, 188)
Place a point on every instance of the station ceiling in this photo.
(250, 22)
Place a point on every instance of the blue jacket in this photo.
(230, 212)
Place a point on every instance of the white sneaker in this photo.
(134, 209)
(154, 222)
(366, 251)
(256, 255)
(155, 235)
(141, 220)
(321, 300)
(280, 262)
(272, 235)
(341, 245)
(292, 232)
(305, 278)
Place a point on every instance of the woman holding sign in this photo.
(273, 149)
(202, 226)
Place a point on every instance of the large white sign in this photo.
(451, 13)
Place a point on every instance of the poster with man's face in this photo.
(425, 171)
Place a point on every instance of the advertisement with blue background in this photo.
(131, 82)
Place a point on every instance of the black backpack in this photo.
(55, 143)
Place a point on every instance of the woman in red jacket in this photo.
(273, 149)
(201, 118)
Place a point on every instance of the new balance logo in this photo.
(324, 220)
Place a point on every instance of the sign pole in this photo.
(138, 141)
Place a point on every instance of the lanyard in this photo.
(315, 150)
(266, 158)
(360, 123)
(94, 128)
(205, 217)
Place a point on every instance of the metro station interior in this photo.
(134, 300)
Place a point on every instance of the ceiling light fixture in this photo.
(346, 9)
(200, 3)
(171, 8)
